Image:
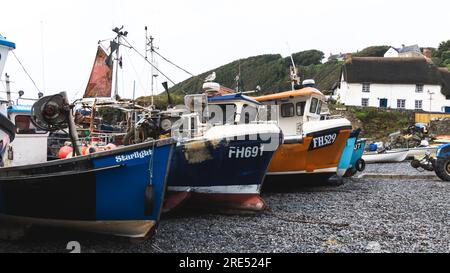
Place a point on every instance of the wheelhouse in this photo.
(294, 108)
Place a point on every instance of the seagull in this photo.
(211, 77)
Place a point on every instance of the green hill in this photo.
(270, 72)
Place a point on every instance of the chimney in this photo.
(427, 53)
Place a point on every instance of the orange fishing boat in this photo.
(313, 142)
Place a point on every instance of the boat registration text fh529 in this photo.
(323, 140)
(246, 152)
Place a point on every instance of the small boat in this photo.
(117, 192)
(386, 156)
(225, 165)
(312, 145)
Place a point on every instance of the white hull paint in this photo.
(387, 157)
(131, 229)
(238, 189)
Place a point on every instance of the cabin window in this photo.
(419, 88)
(222, 114)
(319, 108)
(314, 103)
(249, 114)
(364, 102)
(401, 104)
(418, 105)
(25, 126)
(366, 87)
(287, 110)
(301, 108)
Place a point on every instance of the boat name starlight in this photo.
(135, 155)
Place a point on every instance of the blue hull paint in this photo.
(120, 192)
(101, 187)
(346, 157)
(225, 164)
(358, 152)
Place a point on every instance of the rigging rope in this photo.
(173, 63)
(131, 47)
(26, 72)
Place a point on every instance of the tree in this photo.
(308, 57)
(443, 47)
(372, 51)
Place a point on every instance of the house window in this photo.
(401, 104)
(287, 110)
(366, 87)
(301, 108)
(419, 88)
(418, 105)
(365, 102)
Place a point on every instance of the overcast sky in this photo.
(57, 40)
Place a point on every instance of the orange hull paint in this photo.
(293, 158)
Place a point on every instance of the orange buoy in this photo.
(65, 151)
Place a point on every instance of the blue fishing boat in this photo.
(346, 157)
(118, 192)
(227, 163)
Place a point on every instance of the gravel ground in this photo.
(403, 168)
(363, 215)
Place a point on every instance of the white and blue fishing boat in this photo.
(225, 165)
(7, 130)
(118, 192)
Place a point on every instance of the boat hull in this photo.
(346, 157)
(388, 157)
(109, 192)
(226, 172)
(298, 160)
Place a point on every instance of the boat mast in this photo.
(149, 43)
(117, 42)
(116, 82)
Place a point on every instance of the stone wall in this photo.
(440, 127)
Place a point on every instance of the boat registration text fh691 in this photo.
(246, 152)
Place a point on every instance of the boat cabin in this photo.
(233, 109)
(30, 144)
(295, 108)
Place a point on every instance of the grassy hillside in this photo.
(270, 72)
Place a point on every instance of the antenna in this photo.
(238, 78)
(295, 79)
(149, 43)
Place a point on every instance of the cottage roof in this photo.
(411, 48)
(416, 70)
